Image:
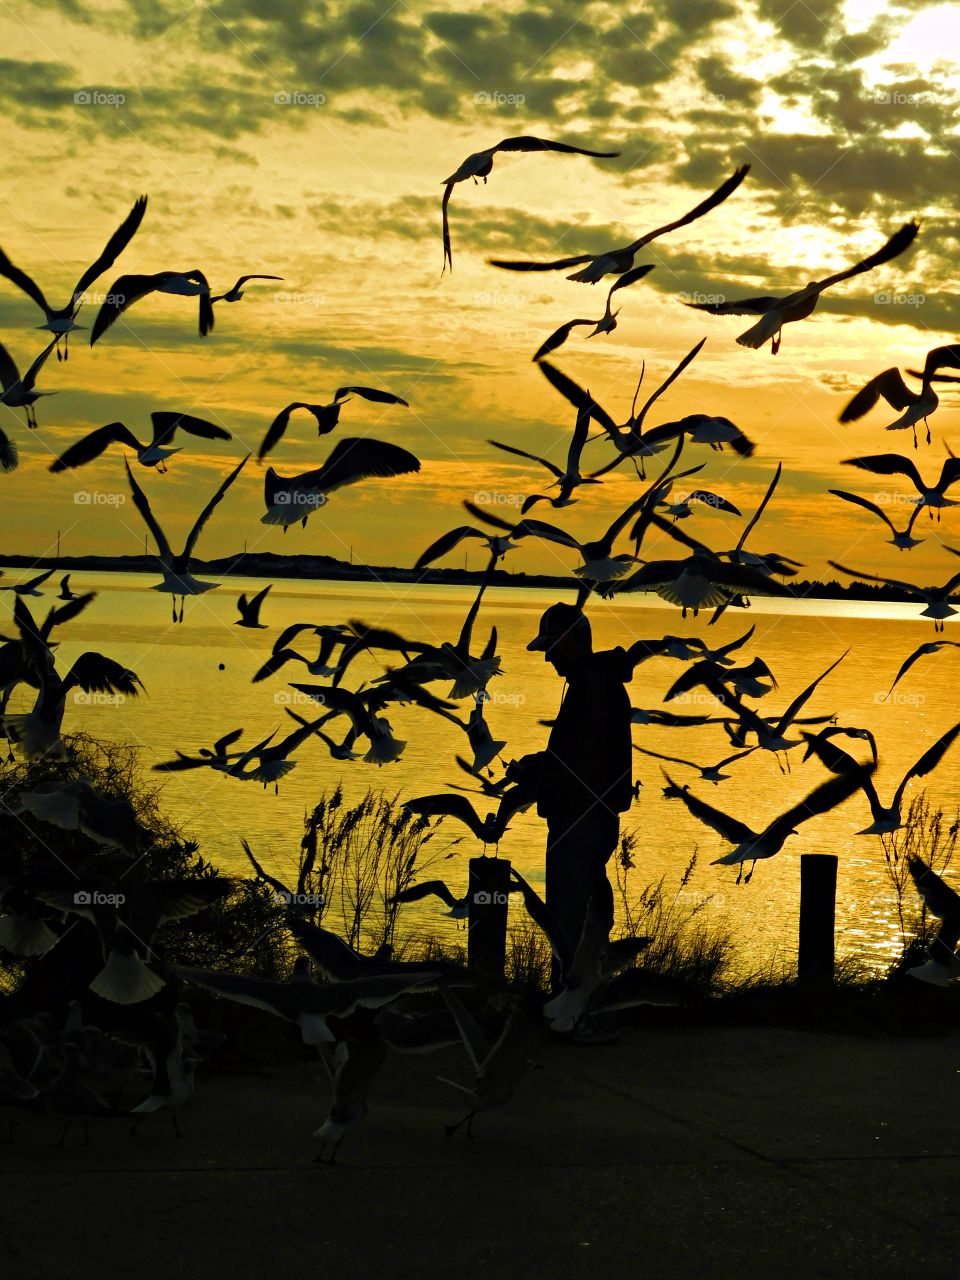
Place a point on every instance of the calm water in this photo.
(190, 702)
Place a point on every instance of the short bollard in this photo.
(818, 901)
(488, 890)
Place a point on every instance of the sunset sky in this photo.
(310, 141)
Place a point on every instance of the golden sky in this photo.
(310, 141)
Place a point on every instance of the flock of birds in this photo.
(350, 1018)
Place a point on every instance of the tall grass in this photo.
(684, 942)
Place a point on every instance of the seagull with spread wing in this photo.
(915, 406)
(235, 292)
(617, 261)
(250, 609)
(894, 464)
(938, 601)
(923, 651)
(480, 164)
(750, 845)
(60, 321)
(177, 579)
(20, 393)
(775, 312)
(886, 818)
(152, 454)
(902, 539)
(292, 499)
(327, 415)
(607, 322)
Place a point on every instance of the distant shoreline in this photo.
(270, 565)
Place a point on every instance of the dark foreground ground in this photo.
(700, 1152)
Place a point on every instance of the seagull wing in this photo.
(541, 915)
(207, 511)
(558, 264)
(734, 832)
(166, 424)
(888, 464)
(559, 337)
(93, 445)
(524, 142)
(534, 457)
(580, 399)
(899, 241)
(359, 458)
(867, 506)
(123, 293)
(949, 474)
(888, 384)
(793, 710)
(9, 373)
(670, 759)
(446, 542)
(873, 577)
(371, 393)
(447, 250)
(668, 381)
(30, 377)
(821, 799)
(934, 646)
(742, 307)
(451, 806)
(473, 1038)
(24, 282)
(760, 510)
(113, 248)
(94, 673)
(725, 189)
(927, 762)
(143, 506)
(939, 898)
(429, 888)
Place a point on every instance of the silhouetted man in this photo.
(585, 773)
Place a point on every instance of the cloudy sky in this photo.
(310, 141)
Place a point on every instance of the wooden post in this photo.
(488, 890)
(818, 900)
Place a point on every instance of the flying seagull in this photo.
(617, 261)
(250, 609)
(938, 601)
(177, 579)
(127, 290)
(916, 406)
(153, 454)
(923, 651)
(886, 818)
(607, 322)
(894, 464)
(235, 293)
(60, 322)
(21, 393)
(903, 539)
(327, 415)
(775, 312)
(480, 164)
(291, 499)
(751, 846)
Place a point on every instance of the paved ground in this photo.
(675, 1153)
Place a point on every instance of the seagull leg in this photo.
(927, 425)
(775, 343)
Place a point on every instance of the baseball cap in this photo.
(556, 622)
